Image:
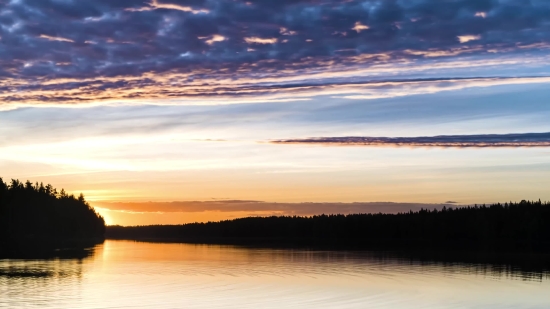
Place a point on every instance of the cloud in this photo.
(53, 38)
(300, 209)
(468, 38)
(155, 4)
(137, 49)
(256, 40)
(458, 141)
(178, 89)
(285, 31)
(215, 38)
(481, 14)
(358, 27)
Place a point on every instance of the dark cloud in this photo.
(489, 140)
(47, 43)
(301, 209)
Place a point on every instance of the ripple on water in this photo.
(124, 274)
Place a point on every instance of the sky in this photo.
(167, 111)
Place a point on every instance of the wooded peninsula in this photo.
(513, 227)
(36, 220)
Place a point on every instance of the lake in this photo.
(126, 274)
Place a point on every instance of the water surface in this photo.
(124, 274)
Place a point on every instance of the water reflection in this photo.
(258, 260)
(40, 269)
(45, 254)
(53, 264)
(123, 274)
(498, 265)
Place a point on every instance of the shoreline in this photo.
(40, 248)
(336, 244)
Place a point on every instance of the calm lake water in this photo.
(123, 274)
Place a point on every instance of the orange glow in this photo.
(148, 218)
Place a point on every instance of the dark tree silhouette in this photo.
(37, 216)
(523, 226)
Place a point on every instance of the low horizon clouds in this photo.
(300, 209)
(454, 141)
(101, 51)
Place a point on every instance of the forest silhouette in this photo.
(523, 226)
(37, 219)
(34, 217)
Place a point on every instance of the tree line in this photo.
(509, 226)
(39, 215)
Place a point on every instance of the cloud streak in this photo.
(454, 141)
(71, 52)
(252, 207)
(53, 38)
(176, 89)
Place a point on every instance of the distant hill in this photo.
(523, 226)
(38, 218)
